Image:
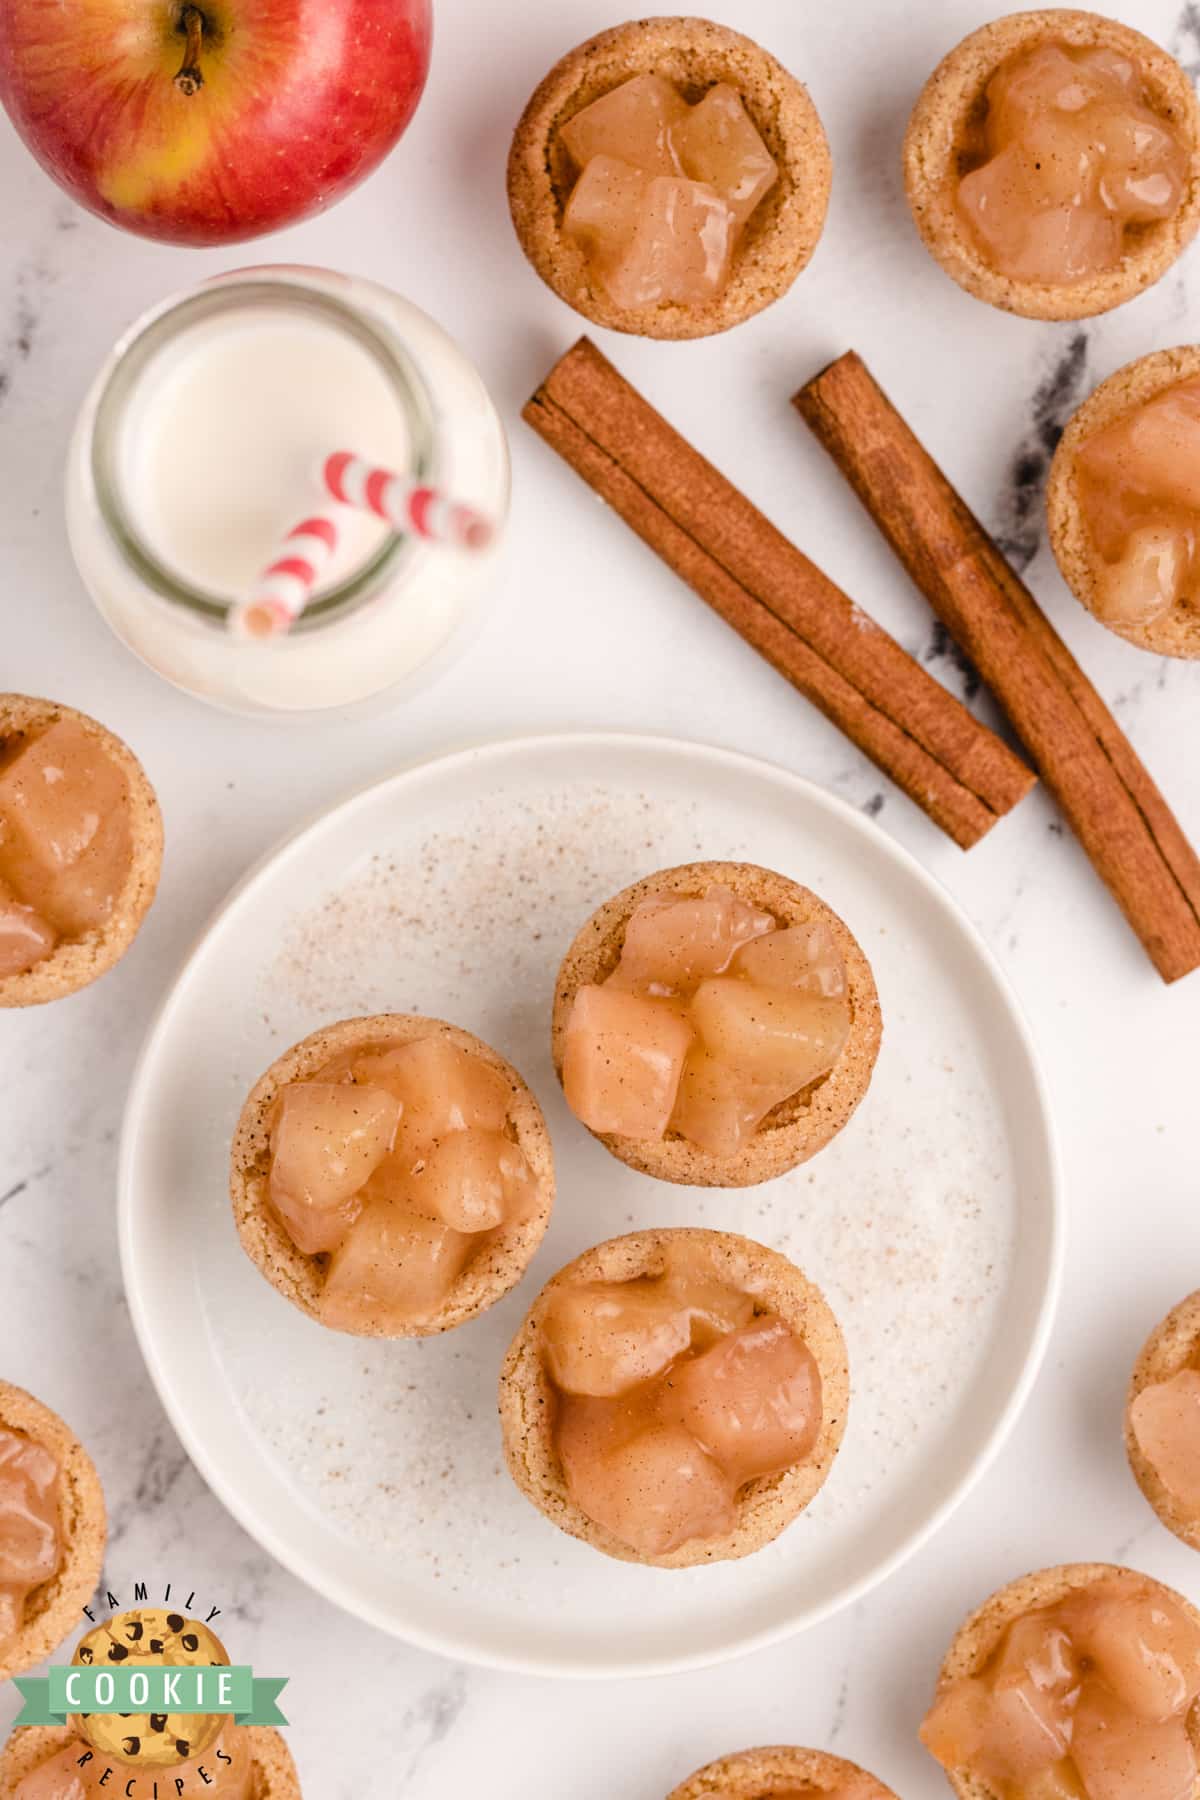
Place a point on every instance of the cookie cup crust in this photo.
(52, 1610)
(494, 1269)
(778, 1768)
(1173, 633)
(78, 961)
(695, 54)
(982, 1632)
(275, 1775)
(1171, 1346)
(765, 1506)
(803, 1124)
(951, 102)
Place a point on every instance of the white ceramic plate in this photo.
(374, 1471)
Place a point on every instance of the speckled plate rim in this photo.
(190, 1420)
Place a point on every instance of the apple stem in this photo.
(190, 78)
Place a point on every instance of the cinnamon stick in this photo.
(959, 772)
(1111, 801)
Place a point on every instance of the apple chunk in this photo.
(64, 827)
(442, 1088)
(673, 941)
(634, 122)
(718, 143)
(603, 1338)
(656, 1492)
(1166, 1423)
(472, 1180)
(394, 1265)
(719, 1109)
(25, 937)
(785, 1038)
(753, 1400)
(623, 1060)
(801, 956)
(327, 1140)
(1122, 1755)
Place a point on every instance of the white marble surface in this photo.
(587, 629)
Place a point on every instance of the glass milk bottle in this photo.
(199, 448)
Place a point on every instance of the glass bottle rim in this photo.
(135, 356)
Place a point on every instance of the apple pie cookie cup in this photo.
(1175, 631)
(764, 1506)
(77, 960)
(53, 1609)
(1172, 1348)
(499, 1262)
(783, 1769)
(937, 154)
(694, 54)
(981, 1636)
(796, 1128)
(274, 1771)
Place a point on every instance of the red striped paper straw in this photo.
(405, 505)
(286, 585)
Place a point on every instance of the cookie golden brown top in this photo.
(1175, 632)
(937, 153)
(765, 1506)
(694, 54)
(781, 1769)
(274, 1772)
(79, 959)
(503, 1255)
(52, 1610)
(801, 1125)
(1173, 1345)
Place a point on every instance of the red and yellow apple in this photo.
(207, 123)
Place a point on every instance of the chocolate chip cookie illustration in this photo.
(151, 1635)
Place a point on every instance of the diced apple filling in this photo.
(1166, 1423)
(664, 191)
(65, 843)
(25, 937)
(671, 1396)
(1087, 1699)
(393, 1160)
(1074, 156)
(30, 1532)
(1139, 493)
(712, 1018)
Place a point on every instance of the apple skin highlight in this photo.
(296, 102)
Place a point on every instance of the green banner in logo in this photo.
(149, 1688)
